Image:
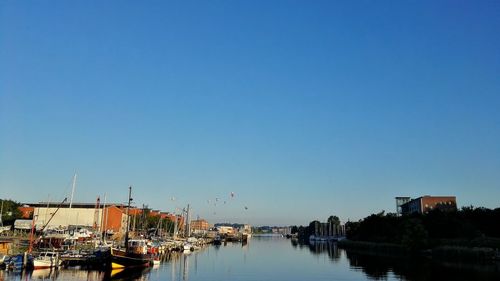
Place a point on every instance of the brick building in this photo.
(424, 204)
(199, 225)
(114, 219)
(26, 211)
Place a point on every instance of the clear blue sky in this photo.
(301, 108)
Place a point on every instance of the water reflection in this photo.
(377, 267)
(44, 274)
(382, 267)
(127, 274)
(321, 247)
(179, 265)
(275, 259)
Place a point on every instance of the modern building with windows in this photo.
(425, 204)
(399, 202)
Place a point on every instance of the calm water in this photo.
(276, 259)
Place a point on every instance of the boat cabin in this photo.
(138, 246)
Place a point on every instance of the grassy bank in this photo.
(443, 252)
(456, 253)
(385, 249)
(478, 242)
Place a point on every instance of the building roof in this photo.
(66, 205)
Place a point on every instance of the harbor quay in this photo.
(103, 235)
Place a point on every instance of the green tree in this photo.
(10, 211)
(152, 221)
(334, 219)
(414, 236)
(312, 227)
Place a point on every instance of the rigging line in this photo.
(67, 188)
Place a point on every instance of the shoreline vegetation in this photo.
(470, 235)
(442, 253)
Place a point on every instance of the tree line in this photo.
(303, 232)
(469, 226)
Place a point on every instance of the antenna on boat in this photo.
(72, 191)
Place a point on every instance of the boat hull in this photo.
(37, 264)
(47, 260)
(122, 259)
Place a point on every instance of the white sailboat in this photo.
(46, 260)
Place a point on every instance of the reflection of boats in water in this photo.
(315, 239)
(126, 274)
(217, 240)
(41, 273)
(156, 260)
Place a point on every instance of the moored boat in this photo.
(217, 240)
(4, 259)
(47, 260)
(133, 257)
(188, 247)
(135, 253)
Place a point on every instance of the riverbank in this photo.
(442, 253)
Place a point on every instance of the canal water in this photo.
(275, 259)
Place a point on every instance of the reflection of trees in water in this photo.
(374, 267)
(317, 248)
(413, 269)
(417, 269)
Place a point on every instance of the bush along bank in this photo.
(469, 235)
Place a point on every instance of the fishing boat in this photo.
(135, 253)
(217, 240)
(47, 260)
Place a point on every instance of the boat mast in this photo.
(104, 216)
(188, 228)
(175, 226)
(1, 215)
(53, 214)
(72, 191)
(128, 217)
